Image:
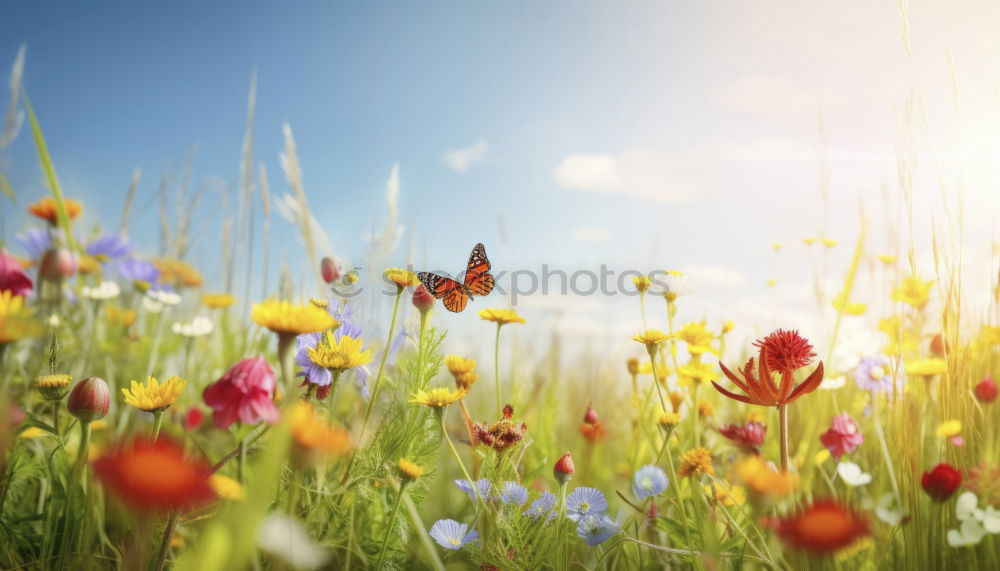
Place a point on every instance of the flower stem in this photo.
(496, 368)
(381, 368)
(468, 478)
(81, 454)
(390, 524)
(285, 341)
(783, 435)
(680, 500)
(168, 533)
(561, 560)
(157, 423)
(656, 379)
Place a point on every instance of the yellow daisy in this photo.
(339, 354)
(650, 337)
(698, 372)
(401, 277)
(438, 397)
(501, 316)
(284, 317)
(409, 470)
(913, 291)
(697, 338)
(217, 300)
(152, 396)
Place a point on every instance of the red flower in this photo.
(329, 270)
(593, 432)
(823, 527)
(244, 393)
(155, 476)
(986, 390)
(941, 482)
(12, 277)
(750, 435)
(785, 351)
(422, 299)
(564, 469)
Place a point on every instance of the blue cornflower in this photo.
(583, 502)
(543, 504)
(110, 247)
(513, 493)
(452, 535)
(649, 481)
(135, 270)
(482, 485)
(35, 242)
(595, 529)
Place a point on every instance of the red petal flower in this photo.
(941, 482)
(155, 476)
(823, 527)
(785, 351)
(12, 277)
(244, 393)
(986, 390)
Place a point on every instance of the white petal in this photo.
(965, 505)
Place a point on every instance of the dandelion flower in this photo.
(402, 278)
(649, 481)
(283, 317)
(500, 316)
(452, 535)
(217, 300)
(439, 397)
(47, 210)
(584, 502)
(339, 353)
(696, 462)
(408, 470)
(913, 291)
(151, 396)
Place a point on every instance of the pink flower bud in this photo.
(590, 417)
(57, 264)
(422, 299)
(986, 390)
(89, 399)
(564, 469)
(329, 270)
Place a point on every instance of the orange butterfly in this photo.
(455, 296)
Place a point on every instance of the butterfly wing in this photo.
(451, 293)
(477, 274)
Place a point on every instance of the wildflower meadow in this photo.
(193, 377)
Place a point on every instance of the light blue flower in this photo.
(513, 493)
(542, 505)
(110, 247)
(35, 241)
(482, 485)
(134, 270)
(450, 534)
(649, 481)
(583, 502)
(595, 529)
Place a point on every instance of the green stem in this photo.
(885, 448)
(496, 368)
(285, 341)
(425, 539)
(783, 435)
(561, 559)
(390, 524)
(651, 349)
(81, 454)
(56, 405)
(465, 472)
(168, 533)
(157, 423)
(680, 501)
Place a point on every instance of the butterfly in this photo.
(454, 295)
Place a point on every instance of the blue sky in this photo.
(642, 135)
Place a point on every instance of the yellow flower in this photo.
(698, 372)
(463, 370)
(119, 316)
(53, 387)
(501, 316)
(314, 436)
(841, 304)
(776, 246)
(809, 240)
(641, 283)
(697, 337)
(696, 462)
(227, 487)
(771, 283)
(828, 242)
(409, 470)
(927, 367)
(989, 335)
(401, 277)
(15, 319)
(339, 354)
(913, 291)
(669, 420)
(706, 409)
(887, 259)
(152, 396)
(217, 300)
(632, 366)
(177, 272)
(900, 340)
(284, 317)
(762, 478)
(728, 495)
(650, 337)
(821, 456)
(949, 428)
(350, 277)
(676, 399)
(437, 397)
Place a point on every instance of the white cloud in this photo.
(641, 174)
(714, 277)
(462, 160)
(591, 234)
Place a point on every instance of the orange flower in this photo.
(822, 527)
(46, 209)
(177, 272)
(155, 476)
(781, 352)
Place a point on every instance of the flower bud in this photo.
(53, 387)
(986, 390)
(939, 347)
(633, 366)
(422, 299)
(564, 469)
(329, 270)
(590, 417)
(57, 264)
(89, 399)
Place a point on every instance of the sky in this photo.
(640, 135)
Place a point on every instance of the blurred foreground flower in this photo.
(12, 276)
(286, 539)
(155, 476)
(244, 393)
(764, 479)
(649, 481)
(986, 390)
(822, 527)
(16, 321)
(313, 438)
(749, 436)
(941, 482)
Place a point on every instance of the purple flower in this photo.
(583, 502)
(135, 270)
(35, 241)
(542, 505)
(513, 493)
(595, 529)
(110, 247)
(873, 373)
(450, 534)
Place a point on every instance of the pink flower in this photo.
(843, 437)
(750, 435)
(244, 393)
(12, 277)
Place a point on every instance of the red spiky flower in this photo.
(785, 351)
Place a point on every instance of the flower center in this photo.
(647, 483)
(877, 373)
(585, 506)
